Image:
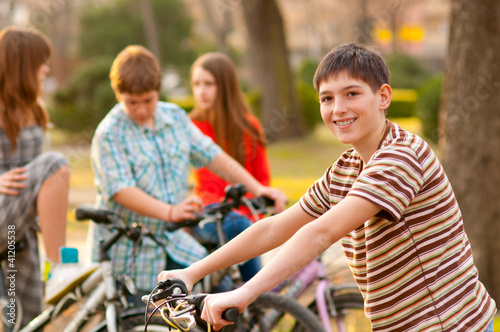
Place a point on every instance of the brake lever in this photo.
(170, 287)
(208, 220)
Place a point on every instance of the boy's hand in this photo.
(215, 304)
(177, 274)
(12, 180)
(276, 195)
(185, 209)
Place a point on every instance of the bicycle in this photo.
(94, 290)
(340, 306)
(271, 311)
(183, 311)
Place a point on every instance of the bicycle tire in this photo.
(135, 323)
(274, 312)
(350, 311)
(256, 318)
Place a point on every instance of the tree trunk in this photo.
(470, 129)
(219, 19)
(59, 18)
(148, 22)
(364, 24)
(270, 65)
(6, 17)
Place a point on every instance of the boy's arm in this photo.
(137, 200)
(117, 182)
(313, 239)
(303, 247)
(231, 171)
(259, 238)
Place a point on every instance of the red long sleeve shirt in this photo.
(209, 187)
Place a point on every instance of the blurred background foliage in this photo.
(110, 28)
(85, 100)
(86, 97)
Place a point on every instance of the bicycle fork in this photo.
(104, 293)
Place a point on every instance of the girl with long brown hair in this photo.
(221, 112)
(33, 184)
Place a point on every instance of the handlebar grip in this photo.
(231, 314)
(266, 201)
(173, 226)
(99, 216)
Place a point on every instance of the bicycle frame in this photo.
(304, 278)
(100, 286)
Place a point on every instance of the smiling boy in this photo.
(389, 202)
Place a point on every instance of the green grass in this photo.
(296, 164)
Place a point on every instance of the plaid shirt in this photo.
(157, 161)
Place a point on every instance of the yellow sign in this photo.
(411, 33)
(406, 33)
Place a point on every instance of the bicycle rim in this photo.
(136, 323)
(350, 313)
(274, 312)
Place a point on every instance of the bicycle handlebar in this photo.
(175, 291)
(108, 218)
(99, 216)
(259, 204)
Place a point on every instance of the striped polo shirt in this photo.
(412, 261)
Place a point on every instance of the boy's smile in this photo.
(353, 112)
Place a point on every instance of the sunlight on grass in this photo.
(413, 125)
(293, 187)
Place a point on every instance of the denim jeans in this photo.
(233, 224)
(490, 327)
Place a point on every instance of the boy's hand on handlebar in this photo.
(276, 195)
(177, 274)
(215, 304)
(187, 209)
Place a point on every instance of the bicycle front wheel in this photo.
(136, 323)
(270, 312)
(274, 312)
(348, 314)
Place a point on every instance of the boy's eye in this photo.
(352, 93)
(325, 99)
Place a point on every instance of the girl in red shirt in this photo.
(222, 113)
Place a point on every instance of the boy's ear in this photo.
(385, 96)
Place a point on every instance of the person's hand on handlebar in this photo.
(187, 209)
(178, 274)
(215, 304)
(276, 195)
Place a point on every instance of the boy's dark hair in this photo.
(358, 61)
(135, 70)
